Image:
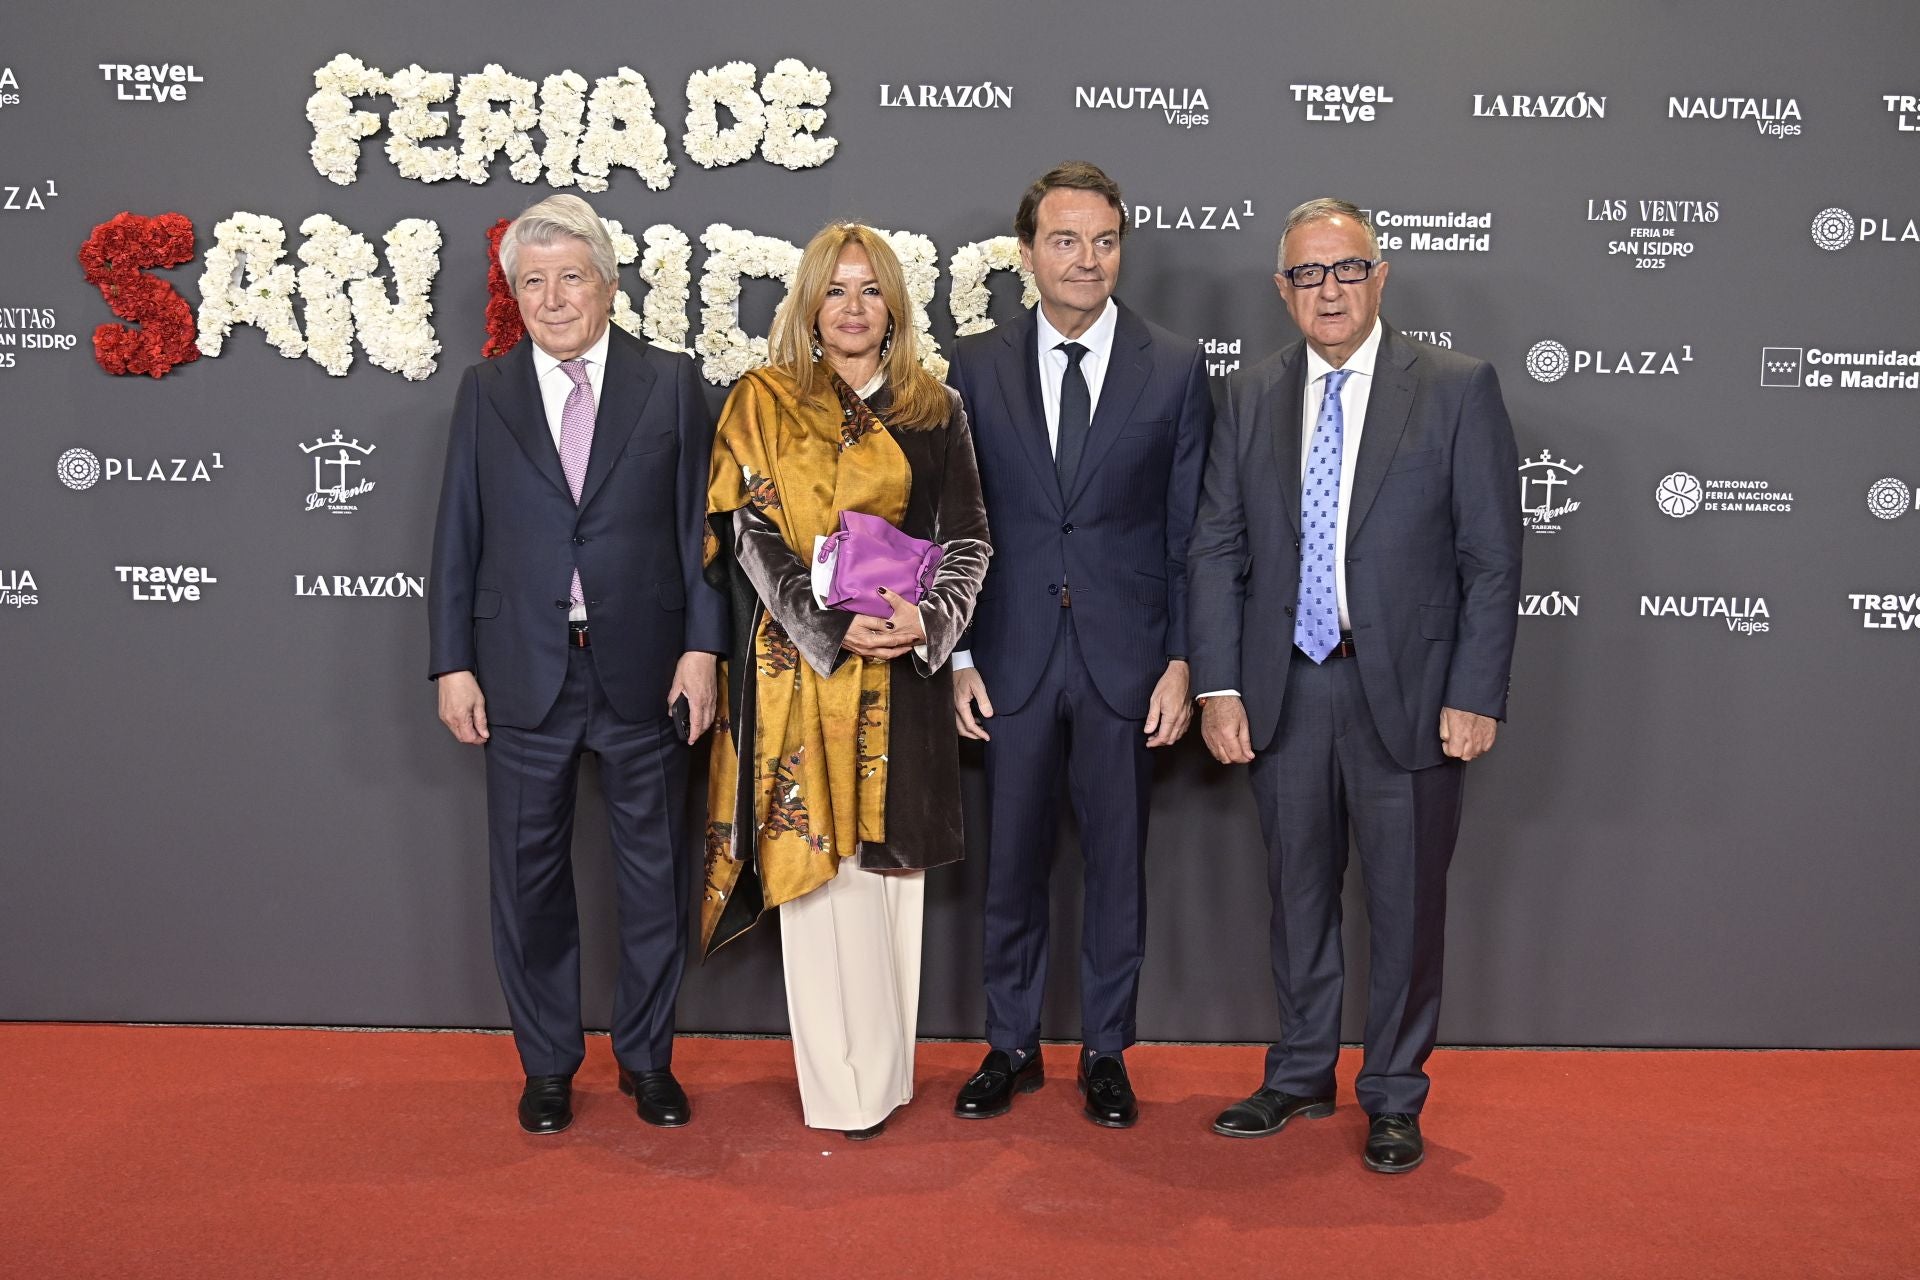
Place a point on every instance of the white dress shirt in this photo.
(1098, 340)
(1353, 414)
(555, 386)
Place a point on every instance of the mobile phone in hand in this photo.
(682, 718)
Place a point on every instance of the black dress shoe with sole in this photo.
(990, 1091)
(1393, 1143)
(1110, 1101)
(1267, 1112)
(546, 1104)
(869, 1133)
(657, 1096)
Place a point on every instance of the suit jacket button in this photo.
(1053, 589)
(1289, 611)
(560, 604)
(579, 542)
(1066, 528)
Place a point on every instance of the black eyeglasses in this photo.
(1346, 271)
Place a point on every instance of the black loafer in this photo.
(546, 1104)
(657, 1096)
(1110, 1101)
(1393, 1143)
(990, 1091)
(1267, 1112)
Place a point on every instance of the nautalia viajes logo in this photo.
(18, 589)
(1834, 229)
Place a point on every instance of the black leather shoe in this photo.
(1109, 1093)
(990, 1092)
(1393, 1143)
(1268, 1111)
(869, 1133)
(546, 1104)
(657, 1096)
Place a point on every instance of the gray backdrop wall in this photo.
(1696, 830)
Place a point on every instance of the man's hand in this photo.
(1464, 735)
(885, 638)
(970, 692)
(1170, 711)
(1223, 727)
(463, 708)
(694, 676)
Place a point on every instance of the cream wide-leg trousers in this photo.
(851, 951)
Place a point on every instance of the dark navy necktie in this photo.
(1316, 621)
(1076, 418)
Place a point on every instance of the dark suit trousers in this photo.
(1109, 776)
(1328, 775)
(532, 776)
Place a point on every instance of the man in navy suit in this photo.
(1091, 429)
(1356, 582)
(568, 614)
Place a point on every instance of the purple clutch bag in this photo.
(867, 554)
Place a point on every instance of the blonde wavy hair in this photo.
(919, 401)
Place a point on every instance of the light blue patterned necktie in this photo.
(1316, 622)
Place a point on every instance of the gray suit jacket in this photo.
(1433, 544)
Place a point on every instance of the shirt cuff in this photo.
(1217, 693)
(963, 660)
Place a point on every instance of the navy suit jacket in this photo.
(509, 536)
(1119, 540)
(1433, 544)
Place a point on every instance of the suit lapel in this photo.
(624, 392)
(1388, 404)
(1021, 402)
(1128, 366)
(516, 398)
(1287, 392)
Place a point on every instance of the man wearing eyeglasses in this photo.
(1354, 590)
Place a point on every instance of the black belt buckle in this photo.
(577, 637)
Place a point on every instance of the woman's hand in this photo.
(885, 638)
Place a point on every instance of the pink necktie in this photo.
(576, 439)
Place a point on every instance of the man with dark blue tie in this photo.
(1091, 428)
(1356, 581)
(568, 614)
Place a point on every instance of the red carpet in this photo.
(204, 1152)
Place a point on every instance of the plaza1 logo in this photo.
(1888, 369)
(1887, 612)
(1541, 106)
(1184, 107)
(1889, 498)
(1650, 233)
(1542, 505)
(1834, 229)
(82, 469)
(1681, 494)
(1342, 103)
(1552, 604)
(1903, 107)
(1550, 361)
(1743, 615)
(1444, 231)
(985, 96)
(334, 586)
(30, 198)
(9, 89)
(18, 590)
(336, 482)
(158, 83)
(31, 329)
(1228, 215)
(166, 584)
(1772, 117)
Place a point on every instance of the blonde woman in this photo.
(836, 782)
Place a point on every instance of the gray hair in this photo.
(556, 218)
(1319, 210)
